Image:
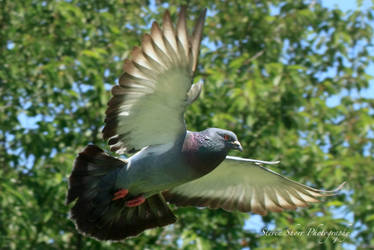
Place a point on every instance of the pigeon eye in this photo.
(226, 137)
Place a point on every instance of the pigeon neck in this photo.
(201, 154)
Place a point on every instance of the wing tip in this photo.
(201, 19)
(183, 10)
(197, 35)
(324, 193)
(166, 20)
(340, 187)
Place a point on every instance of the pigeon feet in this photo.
(135, 202)
(120, 194)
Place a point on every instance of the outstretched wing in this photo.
(148, 104)
(239, 184)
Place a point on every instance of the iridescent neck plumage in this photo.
(201, 153)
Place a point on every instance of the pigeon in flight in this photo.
(118, 198)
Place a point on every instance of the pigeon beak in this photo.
(237, 145)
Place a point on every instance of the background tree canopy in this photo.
(287, 76)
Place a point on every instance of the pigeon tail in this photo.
(95, 213)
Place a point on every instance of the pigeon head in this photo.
(223, 139)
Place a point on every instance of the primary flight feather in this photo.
(118, 198)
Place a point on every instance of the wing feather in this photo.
(169, 32)
(239, 184)
(196, 39)
(158, 37)
(149, 101)
(182, 35)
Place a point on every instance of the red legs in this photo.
(120, 194)
(135, 202)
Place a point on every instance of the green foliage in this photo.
(269, 69)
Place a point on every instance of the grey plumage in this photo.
(92, 181)
(115, 198)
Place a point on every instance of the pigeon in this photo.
(116, 198)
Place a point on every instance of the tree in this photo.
(270, 69)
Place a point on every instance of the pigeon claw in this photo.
(120, 194)
(135, 202)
